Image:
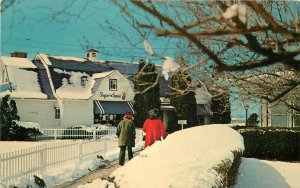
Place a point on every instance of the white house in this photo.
(278, 115)
(59, 91)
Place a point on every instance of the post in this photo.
(80, 151)
(55, 134)
(298, 146)
(42, 159)
(182, 122)
(246, 108)
(105, 147)
(94, 133)
(246, 116)
(246, 104)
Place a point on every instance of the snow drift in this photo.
(187, 158)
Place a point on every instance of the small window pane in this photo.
(113, 84)
(57, 113)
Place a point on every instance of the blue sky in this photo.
(64, 28)
(60, 27)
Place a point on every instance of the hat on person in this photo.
(153, 113)
(128, 115)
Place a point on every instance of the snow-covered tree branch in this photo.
(238, 44)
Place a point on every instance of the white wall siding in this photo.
(77, 113)
(124, 90)
(38, 111)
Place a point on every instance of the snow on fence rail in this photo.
(25, 163)
(38, 160)
(79, 133)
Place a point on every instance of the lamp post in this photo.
(246, 108)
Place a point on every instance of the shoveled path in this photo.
(100, 173)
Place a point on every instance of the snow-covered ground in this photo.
(65, 173)
(268, 174)
(183, 159)
(186, 158)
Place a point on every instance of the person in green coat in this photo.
(126, 134)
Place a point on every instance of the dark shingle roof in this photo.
(124, 68)
(43, 79)
(86, 66)
(91, 67)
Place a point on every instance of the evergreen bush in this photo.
(221, 109)
(10, 130)
(252, 121)
(147, 95)
(183, 98)
(271, 143)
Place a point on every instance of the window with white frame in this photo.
(56, 112)
(113, 84)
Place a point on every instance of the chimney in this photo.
(91, 54)
(18, 54)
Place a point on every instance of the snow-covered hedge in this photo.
(195, 157)
(272, 143)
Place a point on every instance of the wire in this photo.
(77, 45)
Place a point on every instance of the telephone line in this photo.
(74, 45)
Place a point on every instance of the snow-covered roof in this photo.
(66, 58)
(75, 87)
(24, 84)
(78, 85)
(101, 75)
(17, 62)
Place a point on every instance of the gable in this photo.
(23, 76)
(24, 83)
(123, 92)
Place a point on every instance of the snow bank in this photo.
(27, 124)
(186, 158)
(261, 173)
(65, 173)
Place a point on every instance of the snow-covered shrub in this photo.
(229, 170)
(203, 156)
(271, 143)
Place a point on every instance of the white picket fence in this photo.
(27, 162)
(41, 159)
(96, 132)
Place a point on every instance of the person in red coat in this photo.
(153, 127)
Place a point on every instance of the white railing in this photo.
(38, 160)
(24, 163)
(79, 133)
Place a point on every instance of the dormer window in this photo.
(84, 80)
(113, 84)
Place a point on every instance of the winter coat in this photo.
(126, 133)
(154, 129)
